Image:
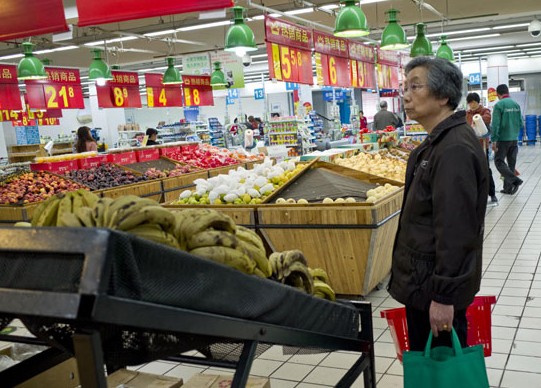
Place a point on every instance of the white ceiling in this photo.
(464, 19)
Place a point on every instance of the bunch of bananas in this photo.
(321, 284)
(202, 232)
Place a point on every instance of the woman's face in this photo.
(419, 103)
(473, 105)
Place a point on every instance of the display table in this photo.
(112, 298)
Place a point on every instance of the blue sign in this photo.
(259, 94)
(229, 101)
(27, 135)
(191, 113)
(233, 93)
(292, 86)
(474, 79)
(339, 94)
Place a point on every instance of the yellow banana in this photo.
(250, 236)
(69, 220)
(48, 216)
(118, 203)
(149, 214)
(258, 256)
(22, 224)
(228, 256)
(276, 261)
(78, 202)
(127, 208)
(193, 221)
(258, 273)
(89, 198)
(212, 238)
(65, 206)
(38, 211)
(85, 216)
(319, 274)
(325, 289)
(294, 256)
(155, 233)
(99, 209)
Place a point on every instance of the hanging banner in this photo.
(22, 18)
(388, 69)
(333, 60)
(92, 12)
(29, 116)
(361, 65)
(197, 90)
(196, 64)
(10, 96)
(289, 50)
(121, 92)
(232, 67)
(160, 95)
(61, 90)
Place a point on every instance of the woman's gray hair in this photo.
(444, 78)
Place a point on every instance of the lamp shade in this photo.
(394, 36)
(445, 51)
(421, 45)
(172, 75)
(30, 67)
(99, 69)
(239, 37)
(217, 77)
(351, 21)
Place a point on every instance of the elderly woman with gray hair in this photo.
(437, 254)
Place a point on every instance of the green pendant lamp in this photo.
(239, 38)
(351, 21)
(30, 67)
(115, 67)
(421, 45)
(445, 51)
(218, 77)
(172, 75)
(394, 36)
(99, 70)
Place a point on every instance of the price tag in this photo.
(197, 90)
(388, 77)
(160, 95)
(121, 92)
(290, 64)
(362, 74)
(334, 71)
(10, 96)
(62, 90)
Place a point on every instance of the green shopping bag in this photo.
(445, 367)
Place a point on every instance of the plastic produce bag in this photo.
(479, 126)
(445, 367)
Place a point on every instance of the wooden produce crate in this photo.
(242, 214)
(251, 165)
(351, 241)
(148, 189)
(173, 186)
(10, 214)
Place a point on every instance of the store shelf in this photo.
(282, 133)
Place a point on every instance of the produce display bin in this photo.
(242, 214)
(173, 186)
(122, 158)
(351, 241)
(92, 162)
(148, 189)
(110, 298)
(148, 154)
(56, 167)
(223, 170)
(10, 214)
(165, 151)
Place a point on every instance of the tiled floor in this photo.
(511, 271)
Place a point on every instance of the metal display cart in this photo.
(110, 298)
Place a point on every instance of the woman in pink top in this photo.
(85, 141)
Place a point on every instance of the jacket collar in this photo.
(456, 119)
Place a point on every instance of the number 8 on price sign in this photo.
(120, 95)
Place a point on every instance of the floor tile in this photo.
(308, 359)
(264, 368)
(511, 300)
(308, 385)
(495, 275)
(527, 348)
(501, 345)
(324, 375)
(503, 332)
(383, 349)
(275, 353)
(505, 320)
(501, 309)
(391, 381)
(512, 379)
(382, 364)
(530, 323)
(494, 376)
(295, 372)
(340, 360)
(157, 367)
(512, 291)
(517, 283)
(496, 361)
(533, 312)
(396, 368)
(283, 383)
(524, 363)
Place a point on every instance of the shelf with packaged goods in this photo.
(282, 133)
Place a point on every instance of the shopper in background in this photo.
(85, 141)
(437, 254)
(506, 124)
(475, 108)
(384, 118)
(253, 123)
(363, 121)
(152, 136)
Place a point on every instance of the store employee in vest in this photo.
(437, 254)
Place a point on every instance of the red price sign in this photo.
(10, 96)
(290, 64)
(197, 90)
(9, 115)
(388, 77)
(332, 71)
(362, 74)
(160, 95)
(121, 92)
(62, 90)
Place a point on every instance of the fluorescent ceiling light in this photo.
(452, 33)
(528, 44)
(534, 52)
(63, 48)
(152, 69)
(12, 56)
(299, 11)
(371, 1)
(115, 40)
(474, 37)
(206, 25)
(531, 48)
(158, 33)
(489, 48)
(259, 56)
(329, 6)
(511, 26)
(261, 17)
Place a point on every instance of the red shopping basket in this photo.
(479, 325)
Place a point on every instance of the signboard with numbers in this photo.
(259, 94)
(121, 92)
(28, 115)
(332, 63)
(10, 96)
(474, 79)
(61, 90)
(361, 65)
(388, 65)
(160, 95)
(289, 49)
(197, 90)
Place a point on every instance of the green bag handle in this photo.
(457, 347)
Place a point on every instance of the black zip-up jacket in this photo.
(437, 255)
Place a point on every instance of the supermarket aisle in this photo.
(511, 257)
